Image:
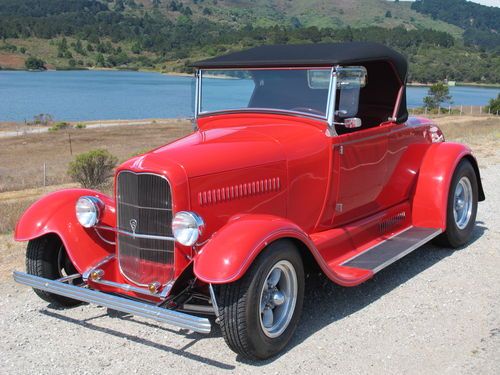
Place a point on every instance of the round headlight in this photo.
(88, 211)
(187, 227)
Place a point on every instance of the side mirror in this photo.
(353, 122)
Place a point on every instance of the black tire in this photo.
(46, 257)
(239, 304)
(454, 236)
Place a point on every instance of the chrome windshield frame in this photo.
(332, 98)
(198, 76)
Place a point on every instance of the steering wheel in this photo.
(308, 110)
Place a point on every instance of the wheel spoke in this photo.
(274, 278)
(262, 305)
(267, 317)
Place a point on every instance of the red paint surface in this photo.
(255, 178)
(55, 213)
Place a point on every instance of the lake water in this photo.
(102, 95)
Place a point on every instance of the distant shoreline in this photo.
(458, 84)
(181, 74)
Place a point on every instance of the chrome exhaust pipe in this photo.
(143, 309)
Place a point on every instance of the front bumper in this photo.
(146, 310)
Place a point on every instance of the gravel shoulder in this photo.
(436, 311)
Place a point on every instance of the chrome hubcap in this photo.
(462, 206)
(278, 298)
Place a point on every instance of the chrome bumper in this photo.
(146, 310)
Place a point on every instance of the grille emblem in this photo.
(133, 225)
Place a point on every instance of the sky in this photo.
(494, 3)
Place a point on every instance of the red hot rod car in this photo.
(303, 155)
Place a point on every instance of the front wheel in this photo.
(46, 257)
(462, 207)
(258, 314)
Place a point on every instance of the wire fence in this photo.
(462, 110)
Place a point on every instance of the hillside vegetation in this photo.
(168, 34)
(481, 23)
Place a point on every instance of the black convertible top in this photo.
(302, 55)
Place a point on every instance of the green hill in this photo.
(481, 23)
(167, 34)
(320, 13)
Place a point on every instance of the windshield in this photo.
(296, 90)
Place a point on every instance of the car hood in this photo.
(212, 151)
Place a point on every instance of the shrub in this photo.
(80, 126)
(91, 169)
(494, 106)
(33, 63)
(59, 126)
(42, 119)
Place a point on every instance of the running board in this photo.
(392, 249)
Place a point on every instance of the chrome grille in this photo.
(144, 207)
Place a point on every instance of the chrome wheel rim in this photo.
(278, 298)
(462, 203)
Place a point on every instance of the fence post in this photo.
(44, 174)
(449, 110)
(70, 147)
(471, 110)
(480, 109)
(425, 111)
(461, 110)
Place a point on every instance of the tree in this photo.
(494, 105)
(388, 14)
(92, 169)
(119, 6)
(99, 60)
(34, 63)
(438, 94)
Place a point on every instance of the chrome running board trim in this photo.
(145, 310)
(392, 249)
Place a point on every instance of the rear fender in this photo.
(430, 201)
(55, 213)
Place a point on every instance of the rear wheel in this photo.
(259, 313)
(462, 207)
(46, 257)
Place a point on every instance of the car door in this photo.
(359, 173)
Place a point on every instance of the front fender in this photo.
(229, 252)
(436, 172)
(55, 213)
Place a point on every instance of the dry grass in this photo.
(11, 212)
(11, 256)
(482, 134)
(14, 203)
(22, 158)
